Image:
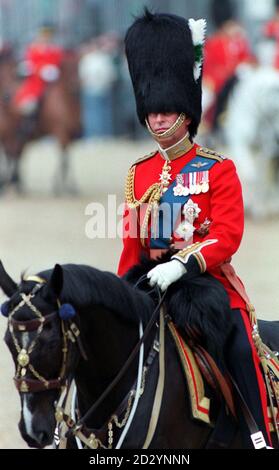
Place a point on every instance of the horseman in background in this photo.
(46, 102)
(41, 66)
(200, 217)
(224, 51)
(271, 32)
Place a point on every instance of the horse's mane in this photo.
(85, 286)
(201, 303)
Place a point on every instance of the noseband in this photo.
(38, 383)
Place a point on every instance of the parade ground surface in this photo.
(39, 230)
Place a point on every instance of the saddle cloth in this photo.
(200, 403)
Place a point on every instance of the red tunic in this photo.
(37, 56)
(222, 55)
(222, 205)
(271, 30)
(40, 55)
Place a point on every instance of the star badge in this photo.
(185, 230)
(191, 210)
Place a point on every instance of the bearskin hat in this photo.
(164, 54)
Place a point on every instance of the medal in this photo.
(205, 187)
(185, 230)
(165, 176)
(203, 229)
(192, 185)
(205, 182)
(181, 188)
(191, 211)
(198, 183)
(178, 190)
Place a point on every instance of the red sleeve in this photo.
(227, 215)
(132, 247)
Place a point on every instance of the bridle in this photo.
(70, 332)
(89, 436)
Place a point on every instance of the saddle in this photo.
(201, 369)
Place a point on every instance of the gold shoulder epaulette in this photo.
(208, 153)
(146, 157)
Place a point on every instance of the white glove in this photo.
(166, 273)
(50, 73)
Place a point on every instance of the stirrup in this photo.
(258, 440)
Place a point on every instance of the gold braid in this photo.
(152, 195)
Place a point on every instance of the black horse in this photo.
(41, 338)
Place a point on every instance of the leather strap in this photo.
(230, 274)
(86, 434)
(251, 423)
(32, 325)
(160, 385)
(26, 385)
(64, 427)
(127, 364)
(223, 386)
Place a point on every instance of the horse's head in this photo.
(37, 338)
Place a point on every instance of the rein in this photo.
(130, 359)
(94, 438)
(39, 383)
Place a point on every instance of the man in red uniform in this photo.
(42, 61)
(271, 31)
(225, 50)
(201, 188)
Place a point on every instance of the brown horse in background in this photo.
(58, 115)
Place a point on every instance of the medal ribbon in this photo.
(167, 219)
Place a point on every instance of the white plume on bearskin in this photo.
(198, 31)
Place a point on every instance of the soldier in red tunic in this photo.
(200, 187)
(226, 48)
(42, 62)
(224, 51)
(271, 31)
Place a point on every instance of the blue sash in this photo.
(171, 206)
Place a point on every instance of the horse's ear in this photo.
(55, 283)
(6, 283)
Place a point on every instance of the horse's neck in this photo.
(108, 341)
